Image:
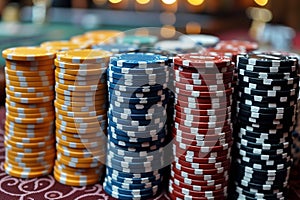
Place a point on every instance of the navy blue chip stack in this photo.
(138, 96)
(202, 128)
(267, 100)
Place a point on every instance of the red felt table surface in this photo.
(45, 187)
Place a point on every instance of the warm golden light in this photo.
(261, 2)
(169, 2)
(193, 28)
(168, 31)
(196, 2)
(115, 1)
(143, 1)
(99, 2)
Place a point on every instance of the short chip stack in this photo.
(202, 132)
(80, 106)
(268, 90)
(137, 119)
(29, 131)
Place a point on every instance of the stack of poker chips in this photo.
(62, 45)
(137, 117)
(202, 131)
(240, 44)
(117, 48)
(80, 108)
(267, 100)
(29, 131)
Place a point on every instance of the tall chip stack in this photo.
(81, 119)
(268, 87)
(137, 130)
(202, 131)
(29, 126)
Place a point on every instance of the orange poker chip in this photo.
(104, 34)
(31, 68)
(81, 114)
(80, 94)
(28, 110)
(28, 54)
(62, 45)
(31, 145)
(30, 126)
(33, 166)
(27, 140)
(79, 130)
(79, 66)
(98, 118)
(30, 84)
(30, 63)
(29, 79)
(90, 72)
(96, 104)
(46, 158)
(99, 98)
(78, 145)
(30, 89)
(84, 56)
(78, 171)
(100, 134)
(89, 88)
(88, 160)
(74, 140)
(40, 120)
(63, 76)
(28, 73)
(77, 83)
(27, 150)
(85, 152)
(41, 154)
(31, 134)
(15, 172)
(35, 115)
(30, 100)
(23, 105)
(29, 95)
(75, 109)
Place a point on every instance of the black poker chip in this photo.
(256, 68)
(257, 109)
(270, 75)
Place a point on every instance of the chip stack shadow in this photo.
(81, 116)
(137, 125)
(29, 126)
(202, 131)
(268, 87)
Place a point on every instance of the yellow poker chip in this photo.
(29, 79)
(28, 54)
(104, 34)
(79, 145)
(79, 66)
(29, 95)
(84, 56)
(100, 98)
(99, 135)
(30, 100)
(74, 109)
(79, 181)
(8, 146)
(80, 94)
(29, 127)
(39, 120)
(28, 110)
(23, 105)
(95, 104)
(28, 74)
(77, 83)
(75, 78)
(89, 88)
(36, 115)
(36, 63)
(74, 140)
(88, 160)
(77, 171)
(47, 158)
(31, 134)
(27, 140)
(31, 145)
(70, 162)
(62, 45)
(79, 153)
(31, 155)
(81, 39)
(31, 68)
(12, 171)
(81, 114)
(30, 84)
(30, 89)
(28, 167)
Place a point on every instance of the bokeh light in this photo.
(143, 1)
(261, 2)
(115, 1)
(169, 2)
(196, 2)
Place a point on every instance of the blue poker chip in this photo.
(139, 60)
(127, 180)
(142, 100)
(139, 83)
(122, 127)
(127, 122)
(138, 71)
(131, 186)
(123, 194)
(117, 48)
(138, 75)
(137, 158)
(137, 176)
(137, 89)
(114, 135)
(145, 150)
(161, 114)
(132, 109)
(138, 134)
(136, 94)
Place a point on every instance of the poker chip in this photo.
(240, 44)
(137, 124)
(267, 85)
(200, 39)
(176, 46)
(80, 110)
(117, 48)
(62, 45)
(202, 131)
(29, 139)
